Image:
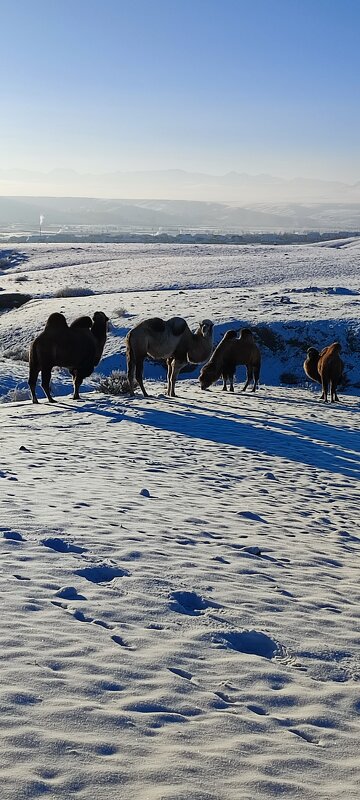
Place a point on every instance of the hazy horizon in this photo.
(130, 85)
(176, 185)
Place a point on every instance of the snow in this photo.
(180, 576)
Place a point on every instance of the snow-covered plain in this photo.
(180, 577)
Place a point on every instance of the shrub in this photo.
(15, 395)
(116, 383)
(289, 379)
(21, 278)
(73, 291)
(269, 339)
(120, 312)
(353, 340)
(12, 300)
(17, 353)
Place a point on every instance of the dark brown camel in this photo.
(230, 353)
(77, 348)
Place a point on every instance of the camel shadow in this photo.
(315, 444)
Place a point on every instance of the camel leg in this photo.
(175, 369)
(139, 375)
(325, 388)
(77, 380)
(45, 383)
(334, 397)
(224, 377)
(249, 375)
(256, 376)
(33, 376)
(231, 379)
(169, 373)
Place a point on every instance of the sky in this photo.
(257, 86)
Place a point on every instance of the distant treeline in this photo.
(309, 237)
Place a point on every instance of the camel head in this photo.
(101, 319)
(313, 354)
(246, 333)
(208, 375)
(206, 328)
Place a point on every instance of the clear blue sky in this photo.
(207, 85)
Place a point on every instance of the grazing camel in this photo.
(230, 353)
(77, 348)
(325, 367)
(193, 348)
(331, 368)
(159, 339)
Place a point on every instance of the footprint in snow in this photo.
(81, 617)
(102, 573)
(182, 673)
(191, 603)
(307, 737)
(185, 540)
(257, 710)
(7, 475)
(61, 545)
(69, 593)
(251, 516)
(13, 536)
(251, 642)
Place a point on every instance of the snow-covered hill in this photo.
(180, 576)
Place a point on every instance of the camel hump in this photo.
(156, 324)
(331, 349)
(246, 333)
(336, 347)
(177, 325)
(231, 334)
(56, 320)
(82, 322)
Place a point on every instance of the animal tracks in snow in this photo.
(80, 616)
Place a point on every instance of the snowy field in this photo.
(180, 577)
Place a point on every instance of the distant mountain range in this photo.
(233, 187)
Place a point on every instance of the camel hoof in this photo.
(51, 400)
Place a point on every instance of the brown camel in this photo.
(325, 367)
